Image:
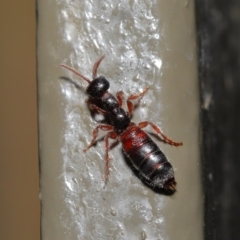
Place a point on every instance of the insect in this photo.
(142, 151)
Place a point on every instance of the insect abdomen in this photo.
(147, 157)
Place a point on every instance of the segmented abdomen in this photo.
(143, 152)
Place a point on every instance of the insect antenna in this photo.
(76, 72)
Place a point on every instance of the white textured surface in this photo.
(146, 44)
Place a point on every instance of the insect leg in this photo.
(95, 134)
(95, 66)
(158, 131)
(96, 108)
(120, 97)
(111, 135)
(134, 97)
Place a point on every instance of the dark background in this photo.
(218, 28)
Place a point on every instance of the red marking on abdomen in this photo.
(132, 138)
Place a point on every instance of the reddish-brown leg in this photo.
(120, 97)
(134, 97)
(93, 106)
(95, 66)
(111, 135)
(158, 131)
(76, 72)
(95, 134)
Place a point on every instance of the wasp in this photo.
(144, 154)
